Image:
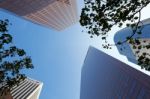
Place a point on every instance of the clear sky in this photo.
(57, 56)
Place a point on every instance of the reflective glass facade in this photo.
(104, 77)
(56, 14)
(129, 51)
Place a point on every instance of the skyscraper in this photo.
(27, 89)
(144, 39)
(57, 14)
(104, 77)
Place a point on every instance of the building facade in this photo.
(130, 51)
(56, 14)
(104, 77)
(27, 89)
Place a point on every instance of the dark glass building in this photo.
(104, 77)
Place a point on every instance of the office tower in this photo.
(57, 14)
(130, 50)
(27, 89)
(104, 77)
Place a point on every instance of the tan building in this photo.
(57, 14)
(27, 89)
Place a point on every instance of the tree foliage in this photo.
(99, 17)
(12, 60)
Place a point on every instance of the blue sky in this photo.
(57, 56)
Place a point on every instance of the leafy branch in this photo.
(100, 16)
(12, 60)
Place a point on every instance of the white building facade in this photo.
(26, 89)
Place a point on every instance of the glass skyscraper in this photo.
(56, 14)
(130, 50)
(104, 77)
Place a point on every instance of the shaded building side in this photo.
(104, 77)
